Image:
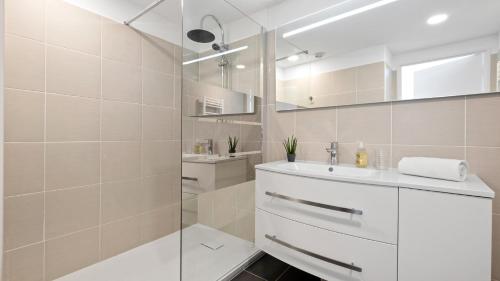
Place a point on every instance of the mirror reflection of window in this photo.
(450, 76)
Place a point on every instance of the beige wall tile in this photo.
(24, 64)
(400, 151)
(157, 55)
(347, 153)
(121, 81)
(72, 118)
(24, 115)
(23, 220)
(121, 199)
(430, 122)
(71, 164)
(120, 42)
(25, 264)
(316, 125)
(159, 223)
(206, 208)
(224, 207)
(496, 247)
(370, 96)
(71, 210)
(158, 88)
(483, 114)
(370, 76)
(71, 27)
(484, 163)
(177, 125)
(73, 73)
(158, 155)
(25, 18)
(280, 125)
(313, 151)
(157, 192)
(121, 161)
(121, 121)
(245, 225)
(23, 168)
(370, 124)
(69, 253)
(157, 123)
(250, 133)
(120, 236)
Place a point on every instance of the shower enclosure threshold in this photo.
(160, 260)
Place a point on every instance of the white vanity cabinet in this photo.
(374, 227)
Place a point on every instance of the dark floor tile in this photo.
(245, 276)
(268, 267)
(294, 274)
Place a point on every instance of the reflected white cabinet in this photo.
(342, 230)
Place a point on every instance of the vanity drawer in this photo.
(330, 255)
(357, 209)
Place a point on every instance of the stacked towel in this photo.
(447, 169)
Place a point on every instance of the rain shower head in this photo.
(201, 35)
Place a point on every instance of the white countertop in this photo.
(473, 186)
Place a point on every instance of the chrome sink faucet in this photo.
(333, 152)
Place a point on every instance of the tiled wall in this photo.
(230, 209)
(360, 84)
(92, 150)
(462, 128)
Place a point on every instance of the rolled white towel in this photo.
(447, 169)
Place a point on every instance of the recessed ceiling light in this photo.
(339, 17)
(293, 58)
(437, 19)
(240, 66)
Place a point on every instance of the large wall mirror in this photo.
(368, 51)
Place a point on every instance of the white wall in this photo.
(150, 23)
(488, 43)
(462, 75)
(349, 60)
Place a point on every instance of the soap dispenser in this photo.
(361, 156)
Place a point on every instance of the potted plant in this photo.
(232, 143)
(290, 145)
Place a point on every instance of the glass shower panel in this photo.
(94, 176)
(221, 138)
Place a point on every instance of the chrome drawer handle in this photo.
(315, 204)
(190, 179)
(350, 266)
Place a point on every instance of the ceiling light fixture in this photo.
(216, 55)
(338, 17)
(240, 66)
(437, 19)
(293, 58)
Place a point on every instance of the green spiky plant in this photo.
(290, 145)
(232, 143)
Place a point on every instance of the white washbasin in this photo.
(324, 169)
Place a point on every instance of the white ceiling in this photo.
(401, 26)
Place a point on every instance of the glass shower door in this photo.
(221, 138)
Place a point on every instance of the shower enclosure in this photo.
(117, 119)
(221, 99)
